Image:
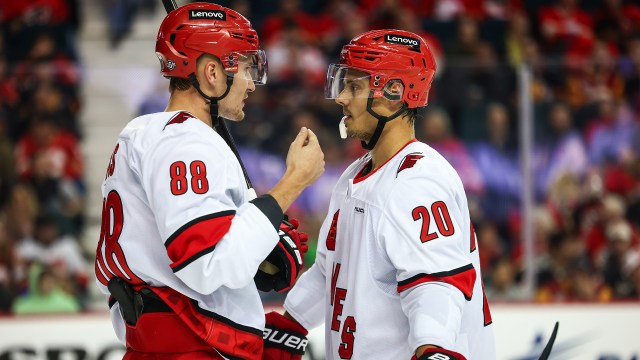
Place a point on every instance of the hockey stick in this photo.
(547, 349)
(169, 5)
(223, 130)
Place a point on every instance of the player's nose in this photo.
(251, 87)
(342, 100)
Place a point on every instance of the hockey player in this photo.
(397, 273)
(182, 238)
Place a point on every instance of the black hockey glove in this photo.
(281, 268)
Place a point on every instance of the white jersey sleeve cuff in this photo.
(434, 311)
(305, 302)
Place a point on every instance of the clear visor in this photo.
(253, 66)
(343, 81)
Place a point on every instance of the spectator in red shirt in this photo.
(59, 146)
(288, 13)
(566, 28)
(34, 12)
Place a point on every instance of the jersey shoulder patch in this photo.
(409, 161)
(178, 118)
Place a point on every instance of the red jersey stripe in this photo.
(196, 238)
(462, 278)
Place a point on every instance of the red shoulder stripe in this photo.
(197, 237)
(462, 278)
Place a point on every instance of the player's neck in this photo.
(192, 102)
(393, 138)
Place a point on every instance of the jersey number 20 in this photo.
(441, 217)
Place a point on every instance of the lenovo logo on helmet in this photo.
(207, 15)
(402, 40)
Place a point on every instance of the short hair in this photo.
(414, 114)
(179, 84)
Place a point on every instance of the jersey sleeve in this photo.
(434, 312)
(193, 183)
(425, 233)
(305, 301)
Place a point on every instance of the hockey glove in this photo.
(281, 268)
(284, 339)
(439, 354)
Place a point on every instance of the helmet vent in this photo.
(424, 62)
(180, 27)
(246, 37)
(377, 38)
(172, 38)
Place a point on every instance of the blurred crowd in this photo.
(585, 61)
(42, 188)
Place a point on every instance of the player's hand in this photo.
(284, 339)
(280, 269)
(305, 160)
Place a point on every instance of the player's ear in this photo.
(212, 71)
(393, 92)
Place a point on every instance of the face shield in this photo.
(250, 65)
(344, 81)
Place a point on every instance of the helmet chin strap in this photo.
(213, 100)
(382, 120)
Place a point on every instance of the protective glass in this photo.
(253, 66)
(343, 81)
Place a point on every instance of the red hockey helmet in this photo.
(386, 55)
(205, 28)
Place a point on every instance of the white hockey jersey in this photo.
(397, 264)
(175, 215)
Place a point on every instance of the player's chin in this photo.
(359, 135)
(236, 115)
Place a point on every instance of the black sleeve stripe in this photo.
(271, 209)
(112, 301)
(195, 221)
(193, 258)
(438, 274)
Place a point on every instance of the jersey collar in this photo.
(360, 177)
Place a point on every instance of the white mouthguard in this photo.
(343, 128)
